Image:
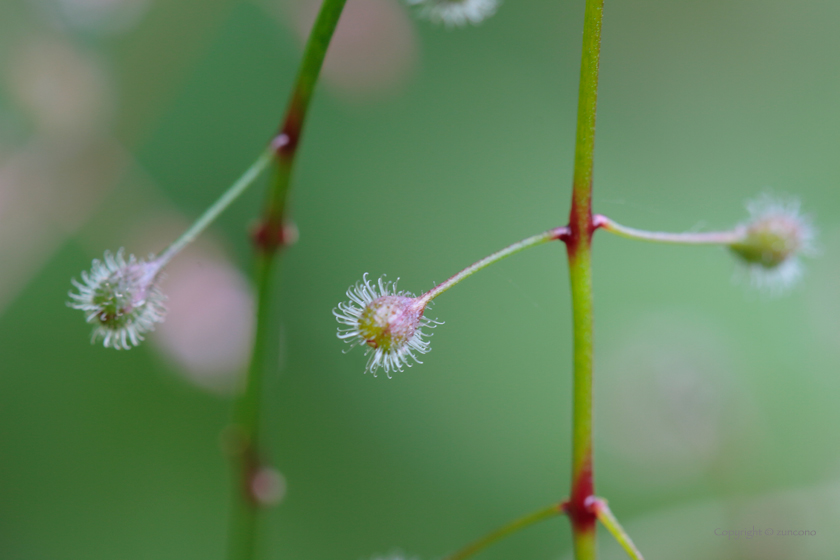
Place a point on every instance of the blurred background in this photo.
(427, 148)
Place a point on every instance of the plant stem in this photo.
(268, 238)
(534, 240)
(687, 238)
(505, 531)
(245, 429)
(286, 142)
(229, 196)
(605, 516)
(578, 246)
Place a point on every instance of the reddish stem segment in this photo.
(579, 506)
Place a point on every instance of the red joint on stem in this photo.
(237, 444)
(599, 221)
(280, 144)
(561, 233)
(284, 145)
(596, 505)
(286, 142)
(269, 236)
(580, 229)
(581, 506)
(563, 507)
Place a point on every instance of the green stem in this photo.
(245, 432)
(268, 239)
(229, 196)
(587, 104)
(605, 516)
(506, 530)
(580, 273)
(583, 526)
(534, 240)
(687, 238)
(288, 139)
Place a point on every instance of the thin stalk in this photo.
(245, 430)
(210, 215)
(579, 245)
(605, 516)
(583, 521)
(288, 139)
(506, 530)
(687, 238)
(534, 240)
(268, 238)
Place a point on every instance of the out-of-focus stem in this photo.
(244, 433)
(268, 238)
(687, 238)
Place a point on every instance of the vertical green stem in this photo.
(579, 245)
(245, 433)
(583, 521)
(268, 238)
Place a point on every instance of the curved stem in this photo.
(687, 238)
(539, 239)
(287, 140)
(506, 530)
(579, 248)
(605, 516)
(229, 196)
(269, 238)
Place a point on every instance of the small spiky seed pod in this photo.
(121, 298)
(772, 241)
(456, 13)
(387, 321)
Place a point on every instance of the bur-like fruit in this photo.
(121, 298)
(772, 242)
(388, 322)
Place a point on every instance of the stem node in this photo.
(268, 237)
(283, 145)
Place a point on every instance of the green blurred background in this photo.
(427, 148)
